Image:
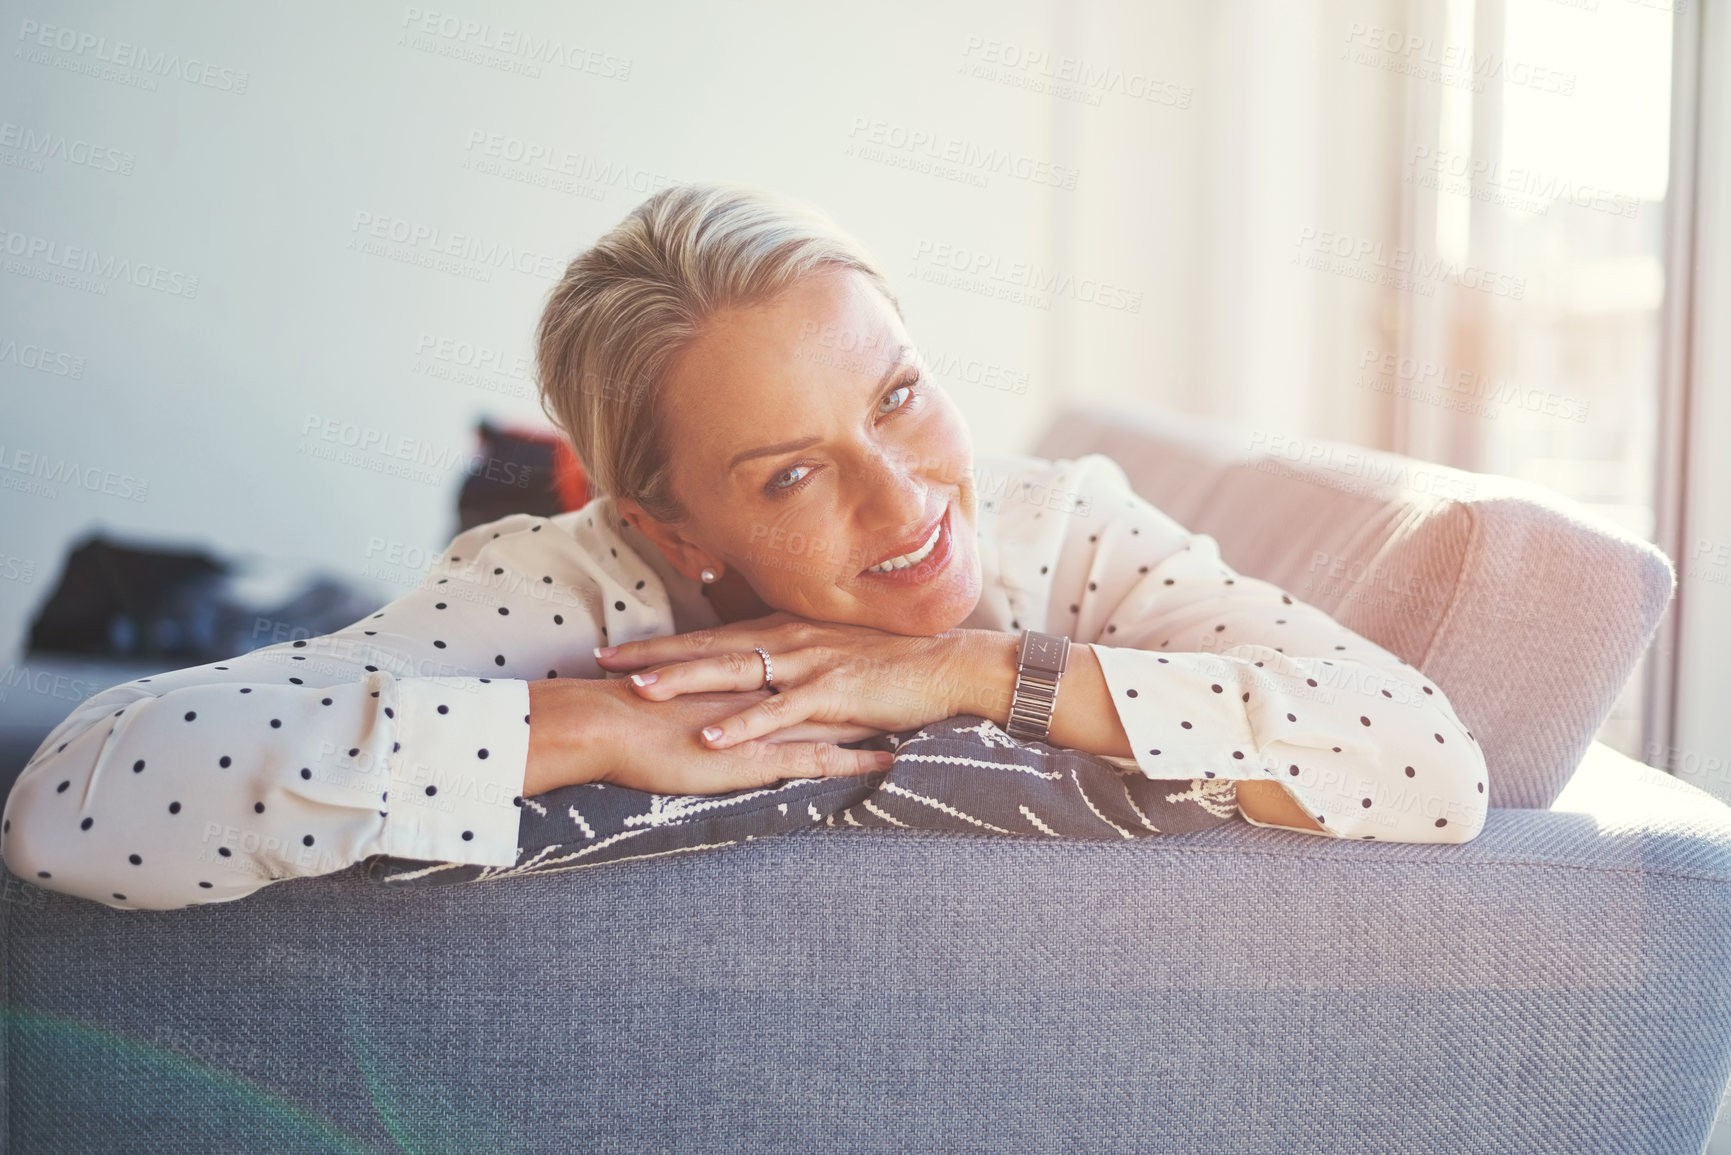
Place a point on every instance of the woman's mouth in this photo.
(921, 564)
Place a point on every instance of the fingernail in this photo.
(644, 679)
(711, 733)
(605, 651)
(885, 760)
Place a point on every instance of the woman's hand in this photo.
(598, 730)
(829, 673)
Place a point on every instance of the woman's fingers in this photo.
(692, 643)
(764, 718)
(812, 730)
(732, 670)
(765, 763)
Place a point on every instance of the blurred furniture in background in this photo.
(1555, 985)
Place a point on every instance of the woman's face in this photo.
(808, 445)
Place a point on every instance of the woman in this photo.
(794, 548)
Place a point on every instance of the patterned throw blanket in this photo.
(962, 774)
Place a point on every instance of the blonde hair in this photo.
(627, 306)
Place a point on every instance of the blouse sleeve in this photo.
(1219, 675)
(406, 733)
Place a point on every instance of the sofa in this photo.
(1558, 984)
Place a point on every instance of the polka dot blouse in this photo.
(407, 732)
(1219, 675)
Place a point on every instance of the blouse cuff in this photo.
(1237, 714)
(457, 770)
(1184, 713)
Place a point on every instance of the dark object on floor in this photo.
(520, 470)
(139, 601)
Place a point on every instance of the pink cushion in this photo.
(1526, 608)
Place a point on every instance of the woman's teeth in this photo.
(907, 559)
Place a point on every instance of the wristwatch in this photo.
(1039, 665)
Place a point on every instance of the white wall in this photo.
(1203, 139)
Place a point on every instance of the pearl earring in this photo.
(708, 574)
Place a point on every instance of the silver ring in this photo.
(768, 669)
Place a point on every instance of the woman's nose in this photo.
(895, 499)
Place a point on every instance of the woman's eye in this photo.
(891, 397)
(779, 481)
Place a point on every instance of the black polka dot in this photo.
(353, 750)
(438, 644)
(618, 605)
(206, 885)
(174, 808)
(1217, 629)
(438, 605)
(85, 825)
(432, 790)
(1285, 599)
(1442, 822)
(1075, 609)
(1043, 569)
(390, 713)
(468, 835)
(43, 874)
(1386, 694)
(138, 766)
(1216, 688)
(135, 860)
(558, 619)
(191, 714)
(1438, 737)
(1186, 725)
(1092, 586)
(1363, 720)
(120, 896)
(444, 709)
(1163, 661)
(306, 840)
(497, 570)
(1428, 690)
(1156, 753)
(503, 611)
(1239, 754)
(517, 801)
(1169, 581)
(225, 851)
(498, 660)
(246, 689)
(1310, 681)
(1129, 693)
(61, 789)
(327, 701)
(1292, 717)
(1293, 770)
(1481, 787)
(481, 753)
(1365, 803)
(258, 808)
(306, 772)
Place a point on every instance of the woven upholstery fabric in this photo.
(961, 774)
(1557, 985)
(1529, 610)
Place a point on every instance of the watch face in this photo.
(1044, 651)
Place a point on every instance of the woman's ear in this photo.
(685, 556)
